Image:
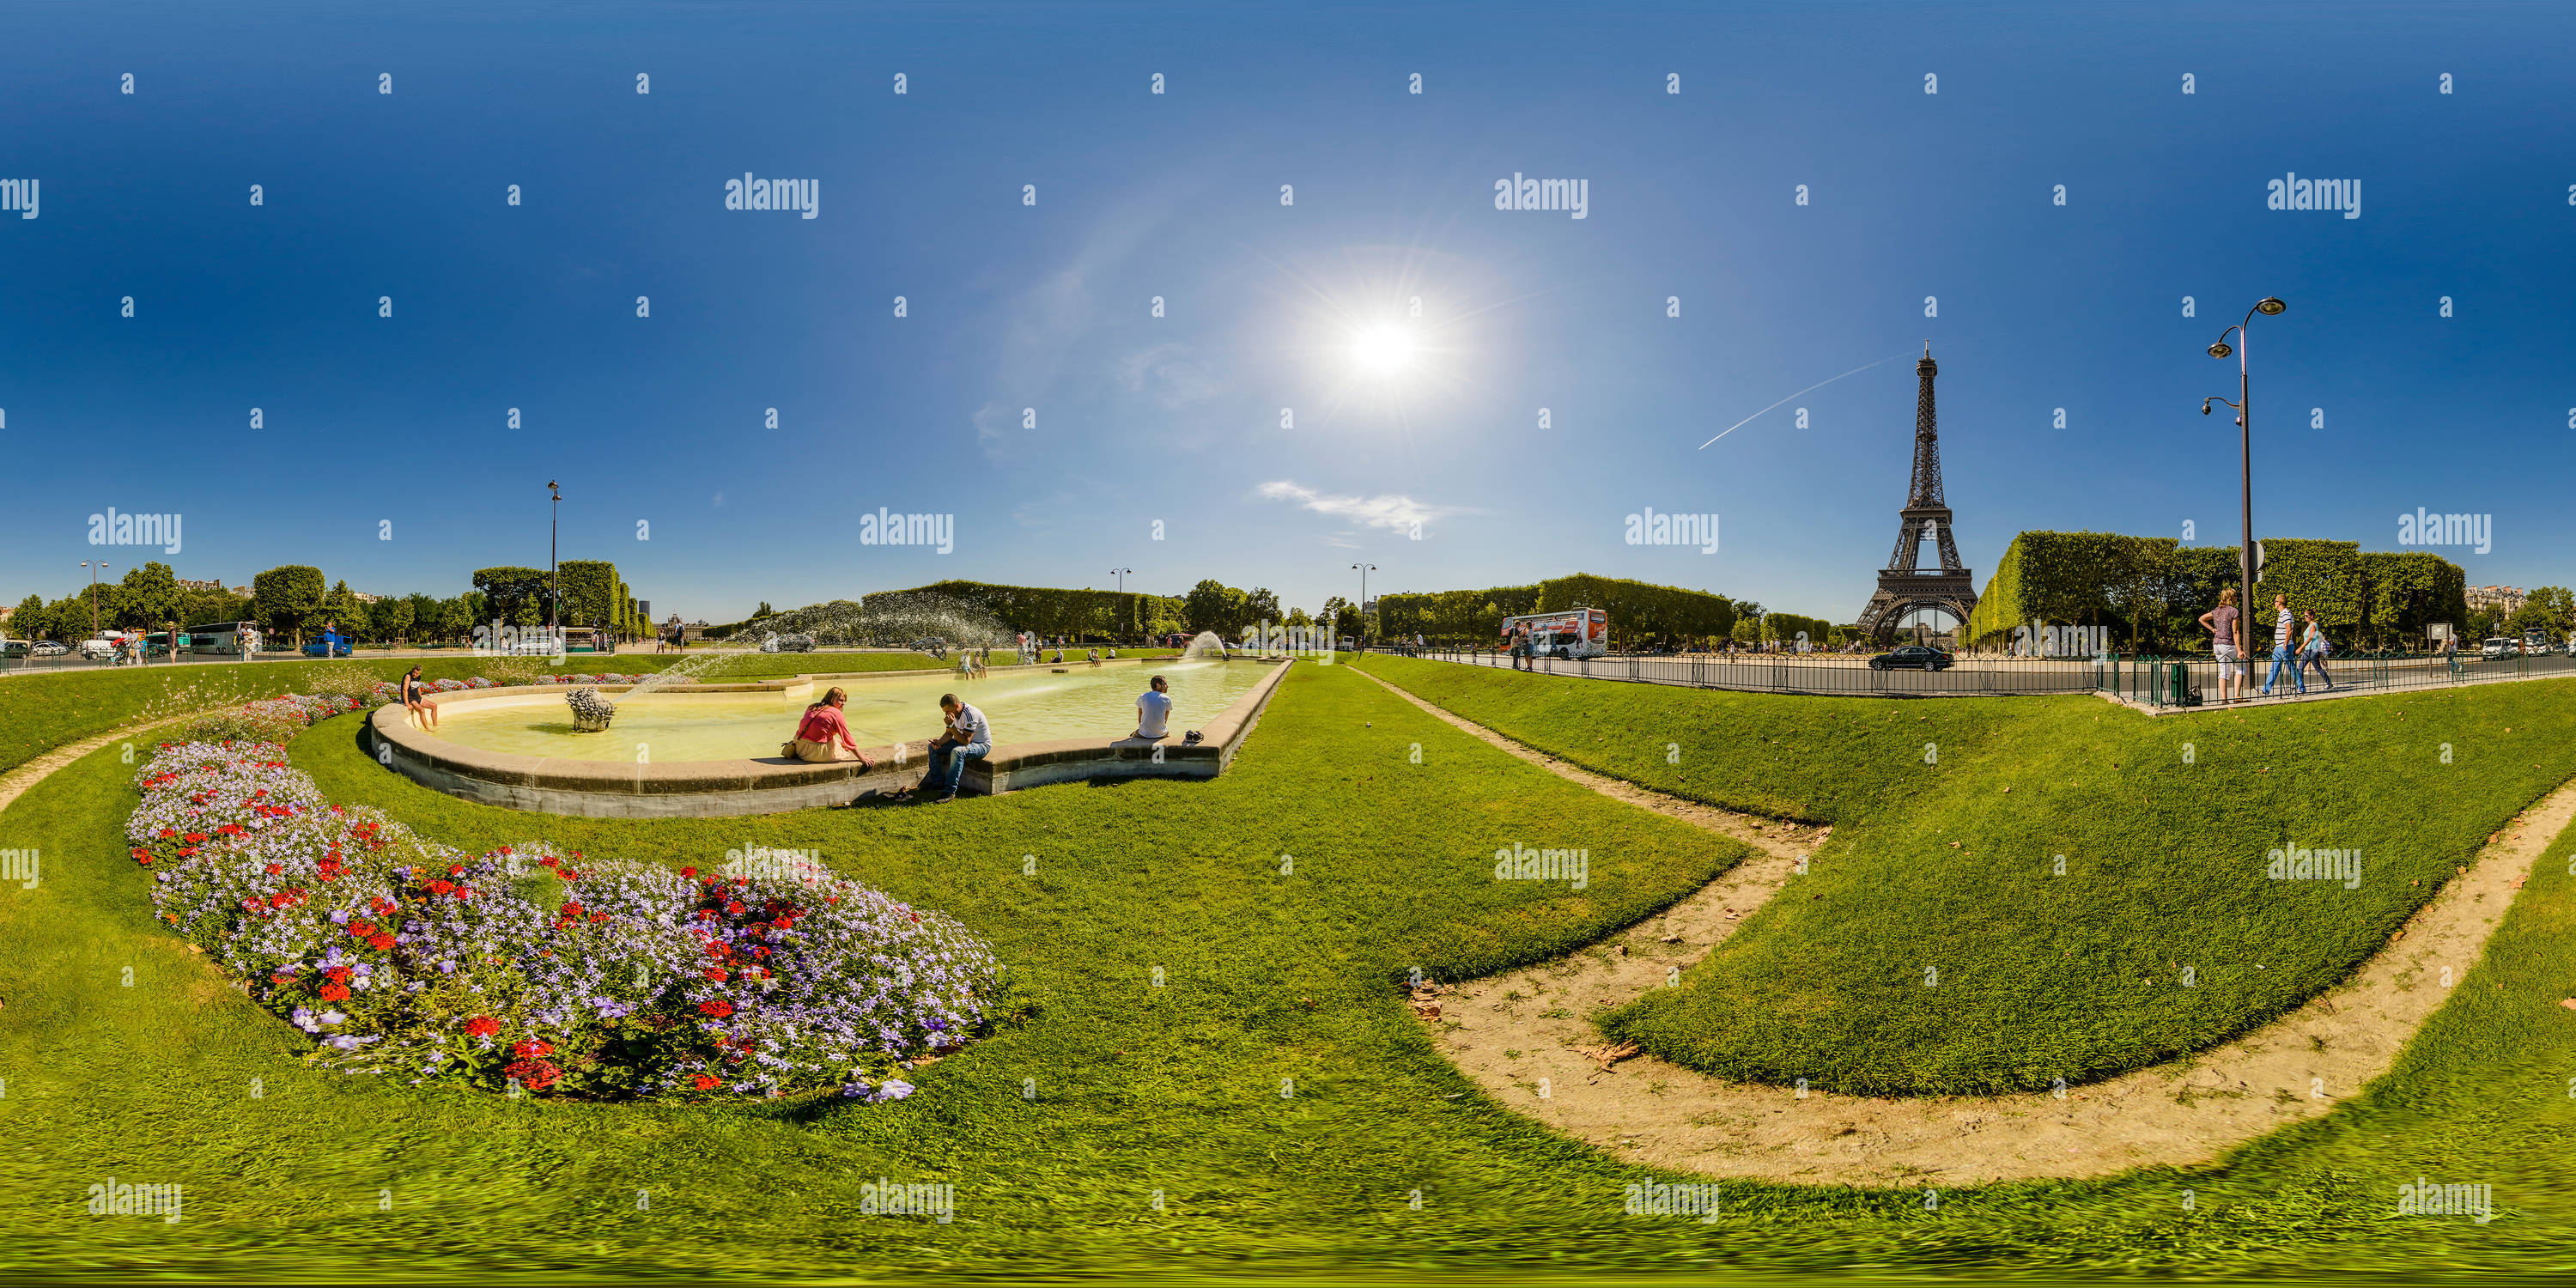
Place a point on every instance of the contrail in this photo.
(1818, 385)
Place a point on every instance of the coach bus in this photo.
(1575, 632)
(219, 637)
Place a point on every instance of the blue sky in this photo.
(371, 420)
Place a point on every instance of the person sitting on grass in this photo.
(415, 696)
(967, 737)
(1154, 712)
(823, 736)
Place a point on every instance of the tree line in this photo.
(292, 601)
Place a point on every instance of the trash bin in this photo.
(2178, 692)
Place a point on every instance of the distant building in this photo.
(2505, 601)
(243, 591)
(643, 610)
(185, 584)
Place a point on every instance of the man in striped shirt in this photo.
(2282, 627)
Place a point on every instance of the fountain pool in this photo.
(1023, 704)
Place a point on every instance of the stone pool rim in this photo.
(772, 785)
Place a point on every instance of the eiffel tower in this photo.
(1902, 587)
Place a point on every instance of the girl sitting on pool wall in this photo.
(823, 737)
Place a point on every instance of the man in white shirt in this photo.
(968, 737)
(1154, 712)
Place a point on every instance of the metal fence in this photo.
(2148, 680)
(2196, 681)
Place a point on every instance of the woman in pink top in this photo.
(823, 736)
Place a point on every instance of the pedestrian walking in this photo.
(2313, 649)
(2282, 626)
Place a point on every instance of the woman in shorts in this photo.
(2221, 622)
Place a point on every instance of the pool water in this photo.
(1022, 706)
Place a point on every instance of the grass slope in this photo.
(1935, 948)
(1137, 1089)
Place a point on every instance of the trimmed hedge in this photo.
(2153, 589)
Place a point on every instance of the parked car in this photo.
(14, 648)
(328, 646)
(2500, 646)
(98, 647)
(1911, 657)
(47, 648)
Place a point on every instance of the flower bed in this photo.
(528, 969)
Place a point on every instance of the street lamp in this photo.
(1121, 575)
(554, 570)
(1361, 608)
(95, 571)
(2268, 306)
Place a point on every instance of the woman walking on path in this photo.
(2221, 622)
(2313, 649)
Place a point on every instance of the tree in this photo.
(342, 606)
(389, 618)
(1213, 606)
(288, 596)
(29, 621)
(148, 597)
(508, 594)
(456, 617)
(2551, 609)
(1260, 605)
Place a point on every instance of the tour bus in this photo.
(1576, 632)
(218, 637)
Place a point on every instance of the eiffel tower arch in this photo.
(1903, 587)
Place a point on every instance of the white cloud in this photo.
(1392, 512)
(1180, 381)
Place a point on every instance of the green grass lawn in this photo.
(1136, 1088)
(1936, 949)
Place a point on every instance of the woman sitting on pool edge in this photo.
(823, 737)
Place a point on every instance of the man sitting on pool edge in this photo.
(967, 738)
(1154, 712)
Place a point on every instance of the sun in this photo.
(1384, 349)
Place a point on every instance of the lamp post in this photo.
(554, 571)
(1121, 575)
(2268, 306)
(1361, 608)
(94, 571)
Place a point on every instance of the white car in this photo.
(48, 648)
(95, 649)
(2500, 646)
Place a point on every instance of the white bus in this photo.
(1575, 632)
(219, 637)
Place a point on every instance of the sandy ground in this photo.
(1527, 1036)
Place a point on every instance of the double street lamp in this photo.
(1360, 609)
(1121, 575)
(2269, 306)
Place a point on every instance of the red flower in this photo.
(532, 1048)
(706, 1082)
(716, 973)
(535, 1075)
(275, 868)
(382, 943)
(718, 1008)
(361, 929)
(337, 974)
(334, 993)
(568, 874)
(482, 1026)
(572, 909)
(690, 872)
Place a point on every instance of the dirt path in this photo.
(15, 783)
(1518, 1034)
